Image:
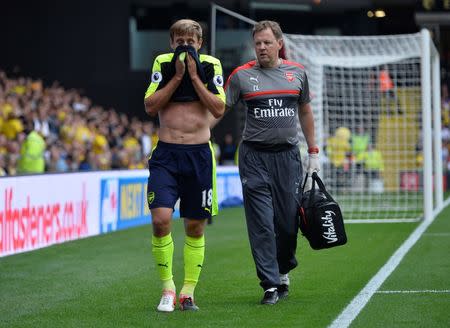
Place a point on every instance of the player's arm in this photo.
(305, 114)
(307, 123)
(215, 103)
(232, 96)
(155, 98)
(306, 117)
(212, 121)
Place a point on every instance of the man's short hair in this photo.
(186, 27)
(265, 24)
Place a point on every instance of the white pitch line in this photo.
(437, 234)
(352, 310)
(380, 220)
(426, 291)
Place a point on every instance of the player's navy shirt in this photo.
(271, 97)
(164, 69)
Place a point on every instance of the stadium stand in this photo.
(78, 134)
(81, 136)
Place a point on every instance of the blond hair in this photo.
(185, 26)
(267, 24)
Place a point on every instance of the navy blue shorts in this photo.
(184, 172)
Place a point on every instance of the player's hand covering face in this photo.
(192, 66)
(267, 47)
(185, 40)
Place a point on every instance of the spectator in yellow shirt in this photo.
(32, 154)
(338, 147)
(12, 126)
(373, 163)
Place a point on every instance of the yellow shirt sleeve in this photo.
(215, 84)
(157, 75)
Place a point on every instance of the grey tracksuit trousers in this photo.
(271, 185)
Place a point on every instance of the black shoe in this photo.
(270, 296)
(283, 291)
(187, 304)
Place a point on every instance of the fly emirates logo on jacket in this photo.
(274, 108)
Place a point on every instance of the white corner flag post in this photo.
(437, 135)
(432, 136)
(427, 175)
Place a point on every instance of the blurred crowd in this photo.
(51, 129)
(349, 152)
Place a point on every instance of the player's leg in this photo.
(196, 206)
(194, 255)
(162, 249)
(286, 186)
(162, 194)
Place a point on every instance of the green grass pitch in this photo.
(111, 281)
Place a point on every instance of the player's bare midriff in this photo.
(184, 123)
